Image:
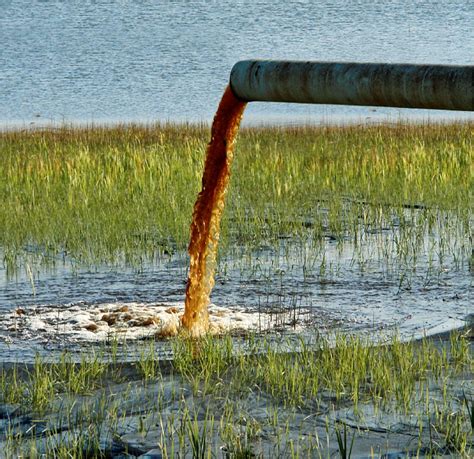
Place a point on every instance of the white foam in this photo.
(130, 321)
(81, 323)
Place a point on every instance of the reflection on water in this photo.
(141, 61)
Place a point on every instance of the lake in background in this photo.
(120, 61)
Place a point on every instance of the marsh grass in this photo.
(224, 379)
(345, 448)
(124, 195)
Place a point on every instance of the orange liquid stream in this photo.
(208, 211)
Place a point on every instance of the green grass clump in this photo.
(228, 396)
(348, 369)
(37, 386)
(125, 194)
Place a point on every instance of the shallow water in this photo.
(101, 61)
(326, 288)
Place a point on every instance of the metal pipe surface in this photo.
(445, 87)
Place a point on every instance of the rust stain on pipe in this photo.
(445, 87)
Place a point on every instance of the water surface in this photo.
(114, 61)
(332, 288)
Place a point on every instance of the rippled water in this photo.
(364, 292)
(336, 287)
(103, 61)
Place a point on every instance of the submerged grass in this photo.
(246, 399)
(125, 194)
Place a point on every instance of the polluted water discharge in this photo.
(208, 211)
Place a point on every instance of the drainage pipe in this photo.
(445, 87)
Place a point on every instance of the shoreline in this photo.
(249, 122)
